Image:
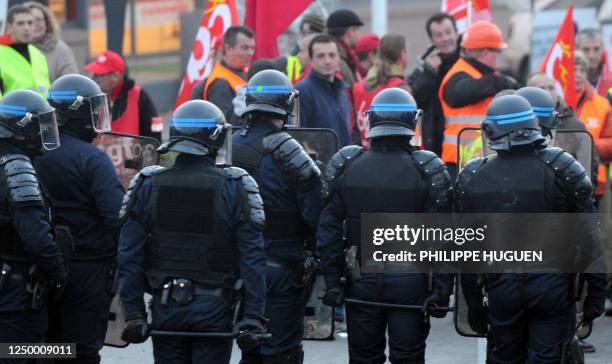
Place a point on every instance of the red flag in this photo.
(269, 19)
(466, 12)
(559, 60)
(218, 16)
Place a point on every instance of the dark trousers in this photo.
(285, 305)
(530, 318)
(367, 325)
(18, 323)
(206, 313)
(81, 316)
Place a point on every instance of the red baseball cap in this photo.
(106, 62)
(367, 43)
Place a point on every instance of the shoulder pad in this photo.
(464, 177)
(21, 180)
(440, 183)
(336, 166)
(568, 171)
(235, 172)
(253, 209)
(292, 157)
(135, 183)
(469, 170)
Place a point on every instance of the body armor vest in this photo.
(376, 181)
(281, 223)
(513, 183)
(188, 237)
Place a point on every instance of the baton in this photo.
(212, 335)
(393, 305)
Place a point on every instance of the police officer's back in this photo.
(391, 177)
(191, 231)
(531, 316)
(26, 241)
(290, 188)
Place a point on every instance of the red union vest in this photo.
(128, 122)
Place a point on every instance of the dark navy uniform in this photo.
(531, 316)
(290, 188)
(86, 196)
(218, 260)
(30, 260)
(391, 177)
(190, 232)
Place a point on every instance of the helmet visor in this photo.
(224, 155)
(49, 134)
(100, 113)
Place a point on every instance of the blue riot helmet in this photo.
(511, 122)
(81, 106)
(198, 127)
(543, 108)
(270, 92)
(28, 121)
(393, 112)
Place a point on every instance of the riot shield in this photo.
(471, 144)
(129, 153)
(578, 143)
(460, 316)
(320, 144)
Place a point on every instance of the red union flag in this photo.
(559, 60)
(219, 15)
(466, 12)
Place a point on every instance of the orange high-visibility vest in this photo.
(593, 113)
(469, 116)
(224, 73)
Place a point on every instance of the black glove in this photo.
(333, 297)
(477, 318)
(137, 329)
(433, 303)
(504, 82)
(252, 332)
(591, 310)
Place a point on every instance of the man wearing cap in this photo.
(431, 67)
(366, 48)
(230, 73)
(132, 109)
(344, 26)
(23, 65)
(470, 84)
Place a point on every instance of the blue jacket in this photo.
(85, 192)
(323, 104)
(132, 279)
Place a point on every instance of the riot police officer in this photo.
(290, 188)
(391, 177)
(191, 231)
(531, 316)
(86, 196)
(31, 264)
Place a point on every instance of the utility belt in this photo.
(182, 291)
(34, 281)
(285, 264)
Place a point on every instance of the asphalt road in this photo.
(443, 346)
